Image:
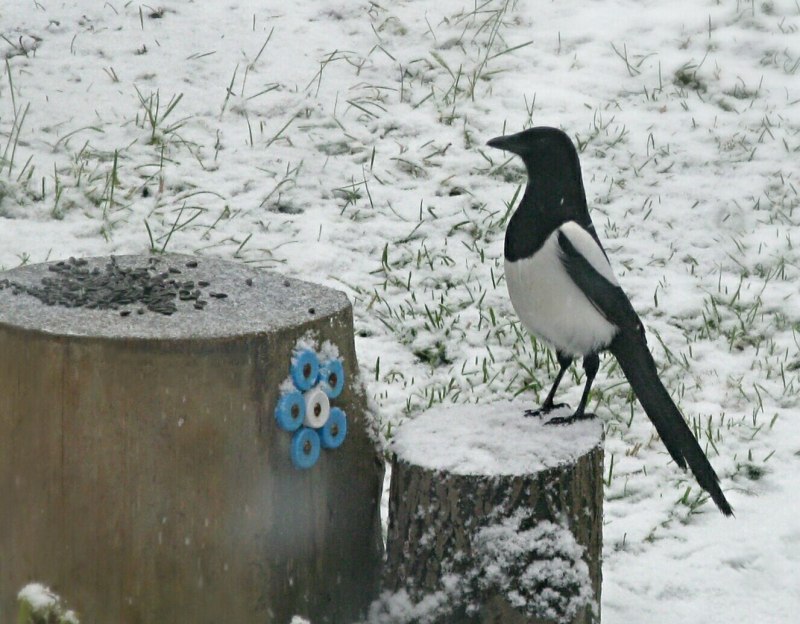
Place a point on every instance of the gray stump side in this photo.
(142, 474)
(494, 517)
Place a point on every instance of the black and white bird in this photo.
(564, 291)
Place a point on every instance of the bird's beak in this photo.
(506, 143)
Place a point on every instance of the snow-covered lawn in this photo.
(341, 141)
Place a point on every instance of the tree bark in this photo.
(481, 543)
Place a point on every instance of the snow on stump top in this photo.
(184, 440)
(495, 517)
(491, 439)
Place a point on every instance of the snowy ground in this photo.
(342, 142)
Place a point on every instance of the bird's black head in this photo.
(554, 171)
(554, 194)
(538, 146)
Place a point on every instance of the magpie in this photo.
(564, 291)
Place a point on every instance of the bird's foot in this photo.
(566, 420)
(544, 409)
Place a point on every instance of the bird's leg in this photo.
(564, 362)
(591, 363)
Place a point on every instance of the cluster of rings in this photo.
(306, 411)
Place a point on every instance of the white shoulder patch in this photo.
(589, 249)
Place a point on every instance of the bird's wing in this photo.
(585, 221)
(587, 266)
(589, 270)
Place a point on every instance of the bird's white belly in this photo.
(552, 307)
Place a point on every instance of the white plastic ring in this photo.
(318, 408)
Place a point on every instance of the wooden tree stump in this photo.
(143, 475)
(495, 517)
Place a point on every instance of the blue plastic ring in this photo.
(334, 431)
(290, 411)
(305, 448)
(304, 369)
(331, 375)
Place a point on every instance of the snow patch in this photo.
(328, 351)
(492, 438)
(400, 608)
(38, 597)
(38, 600)
(539, 570)
(307, 342)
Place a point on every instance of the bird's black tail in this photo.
(637, 363)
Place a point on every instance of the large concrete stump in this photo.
(143, 476)
(495, 517)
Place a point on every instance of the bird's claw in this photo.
(545, 409)
(567, 420)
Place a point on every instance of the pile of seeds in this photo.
(75, 285)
